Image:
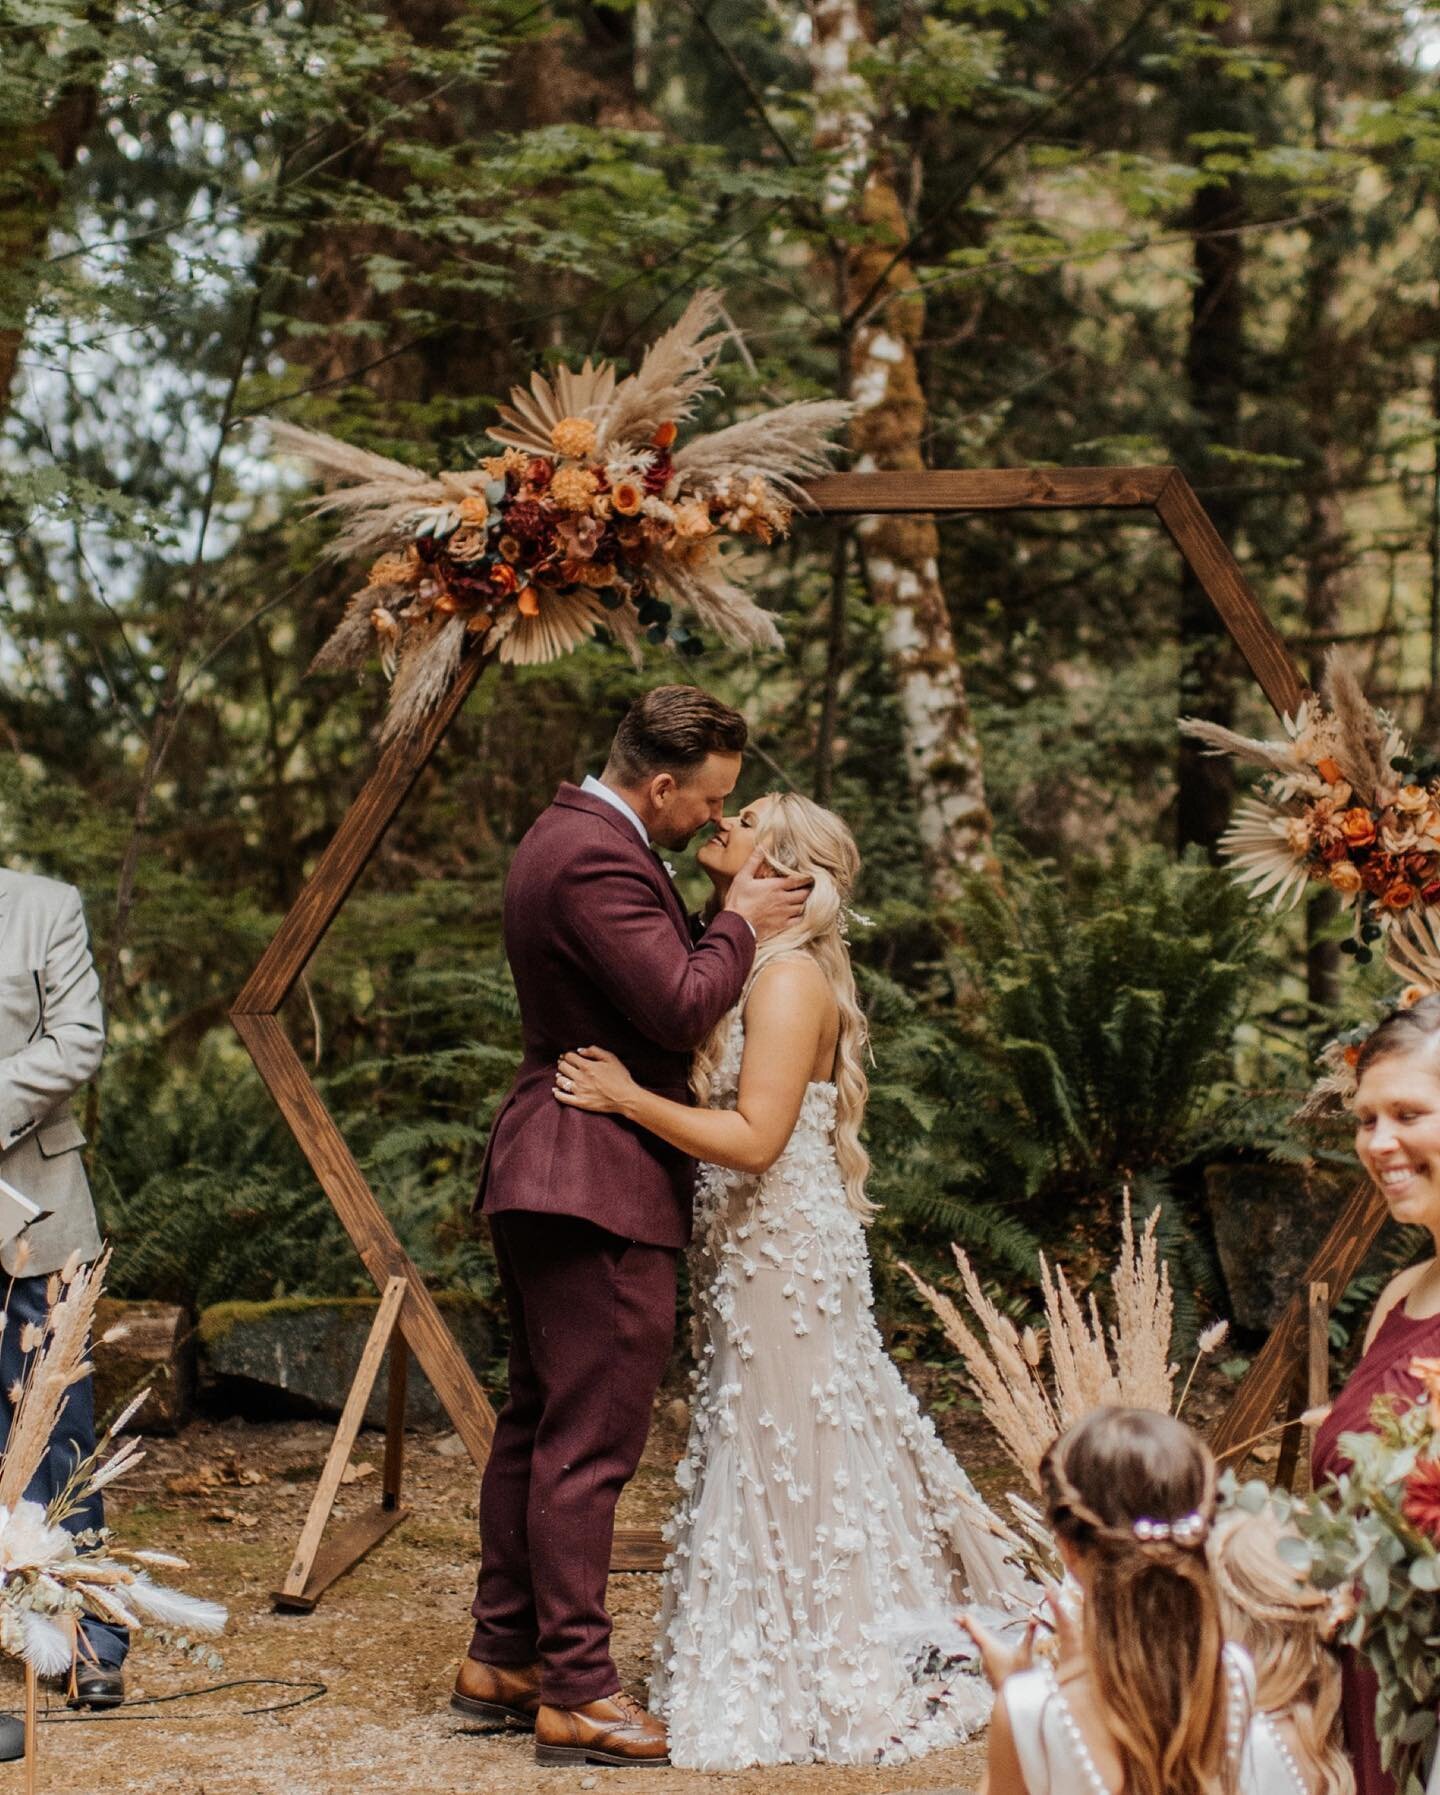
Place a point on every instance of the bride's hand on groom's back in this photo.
(770, 904)
(590, 1078)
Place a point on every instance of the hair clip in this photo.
(1189, 1530)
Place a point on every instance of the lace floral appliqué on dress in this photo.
(818, 1507)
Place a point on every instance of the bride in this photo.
(819, 1513)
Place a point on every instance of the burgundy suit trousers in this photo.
(592, 1319)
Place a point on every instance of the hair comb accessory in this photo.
(1190, 1530)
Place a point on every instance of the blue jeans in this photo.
(73, 1440)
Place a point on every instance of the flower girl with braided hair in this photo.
(1296, 1742)
(1144, 1696)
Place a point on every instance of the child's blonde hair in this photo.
(1282, 1621)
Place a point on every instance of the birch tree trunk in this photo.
(899, 555)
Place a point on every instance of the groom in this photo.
(587, 1212)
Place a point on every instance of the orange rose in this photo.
(1400, 895)
(627, 497)
(1345, 878)
(1358, 827)
(504, 578)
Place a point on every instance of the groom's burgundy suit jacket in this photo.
(604, 955)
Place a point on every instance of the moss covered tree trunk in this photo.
(900, 556)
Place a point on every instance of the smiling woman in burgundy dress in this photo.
(1397, 1136)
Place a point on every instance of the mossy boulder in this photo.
(299, 1355)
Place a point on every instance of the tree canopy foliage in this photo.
(1190, 231)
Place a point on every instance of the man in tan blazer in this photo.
(52, 1036)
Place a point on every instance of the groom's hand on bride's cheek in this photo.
(769, 902)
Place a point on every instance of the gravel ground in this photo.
(384, 1642)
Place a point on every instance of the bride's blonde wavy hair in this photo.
(798, 836)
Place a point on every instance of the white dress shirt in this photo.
(596, 790)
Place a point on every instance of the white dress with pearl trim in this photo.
(1055, 1759)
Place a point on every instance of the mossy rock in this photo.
(299, 1355)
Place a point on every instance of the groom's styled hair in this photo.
(671, 730)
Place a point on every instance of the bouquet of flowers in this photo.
(49, 1577)
(592, 511)
(1345, 804)
(1373, 1538)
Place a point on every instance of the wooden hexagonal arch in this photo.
(1277, 1370)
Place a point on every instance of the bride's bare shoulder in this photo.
(790, 998)
(788, 980)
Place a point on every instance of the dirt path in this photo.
(384, 1642)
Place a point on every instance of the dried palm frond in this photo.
(1414, 951)
(673, 373)
(530, 417)
(783, 446)
(1258, 843)
(566, 619)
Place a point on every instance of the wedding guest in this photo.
(1396, 1107)
(52, 1035)
(1295, 1741)
(1143, 1695)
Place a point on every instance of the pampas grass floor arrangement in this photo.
(51, 1578)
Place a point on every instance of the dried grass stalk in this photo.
(1013, 1399)
(1360, 742)
(63, 1361)
(1010, 1383)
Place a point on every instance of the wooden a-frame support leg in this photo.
(312, 1570)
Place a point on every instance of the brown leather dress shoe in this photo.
(498, 1694)
(614, 1730)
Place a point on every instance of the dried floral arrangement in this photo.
(50, 1578)
(1372, 1538)
(1346, 804)
(592, 512)
(1091, 1365)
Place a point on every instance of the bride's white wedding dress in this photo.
(819, 1513)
